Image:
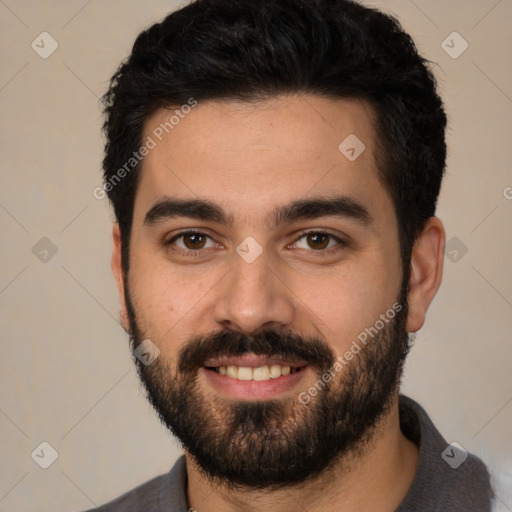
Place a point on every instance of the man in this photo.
(274, 168)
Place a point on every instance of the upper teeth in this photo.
(260, 373)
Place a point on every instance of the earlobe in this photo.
(426, 272)
(118, 271)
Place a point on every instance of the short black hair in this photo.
(255, 50)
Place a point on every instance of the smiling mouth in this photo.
(260, 373)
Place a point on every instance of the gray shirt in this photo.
(446, 480)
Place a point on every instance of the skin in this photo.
(250, 159)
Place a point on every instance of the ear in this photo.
(426, 271)
(118, 271)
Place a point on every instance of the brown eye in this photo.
(191, 241)
(194, 241)
(318, 241)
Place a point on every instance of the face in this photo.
(261, 256)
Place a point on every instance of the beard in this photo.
(273, 444)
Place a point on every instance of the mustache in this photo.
(270, 343)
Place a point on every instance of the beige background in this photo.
(67, 376)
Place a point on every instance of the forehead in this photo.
(252, 157)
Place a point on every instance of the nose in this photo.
(253, 298)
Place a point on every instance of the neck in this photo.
(388, 461)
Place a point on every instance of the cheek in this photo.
(348, 300)
(170, 303)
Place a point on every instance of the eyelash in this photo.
(201, 252)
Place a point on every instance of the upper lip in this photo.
(252, 361)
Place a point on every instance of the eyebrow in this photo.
(303, 209)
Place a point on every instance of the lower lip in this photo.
(253, 389)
